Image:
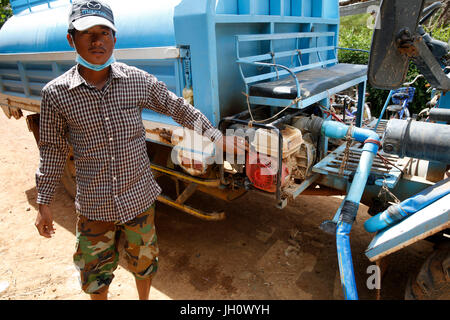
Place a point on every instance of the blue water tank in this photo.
(41, 26)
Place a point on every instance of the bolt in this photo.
(388, 148)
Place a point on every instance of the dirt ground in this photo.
(257, 252)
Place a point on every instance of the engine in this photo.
(262, 160)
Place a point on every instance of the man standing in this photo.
(96, 106)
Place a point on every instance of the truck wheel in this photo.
(68, 177)
(433, 280)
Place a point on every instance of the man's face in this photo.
(95, 45)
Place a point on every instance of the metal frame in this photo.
(153, 53)
(389, 176)
(280, 150)
(20, 68)
(256, 61)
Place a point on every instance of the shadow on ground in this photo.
(258, 252)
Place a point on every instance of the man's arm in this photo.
(161, 100)
(164, 101)
(53, 150)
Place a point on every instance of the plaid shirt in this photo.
(105, 129)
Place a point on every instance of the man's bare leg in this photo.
(143, 288)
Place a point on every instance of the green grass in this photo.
(354, 33)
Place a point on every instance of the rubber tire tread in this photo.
(433, 280)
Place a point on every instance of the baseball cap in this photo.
(85, 14)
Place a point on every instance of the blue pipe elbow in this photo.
(349, 209)
(333, 129)
(337, 130)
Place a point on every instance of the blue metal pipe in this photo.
(384, 109)
(398, 212)
(345, 261)
(349, 209)
(351, 49)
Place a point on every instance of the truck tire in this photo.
(433, 280)
(68, 177)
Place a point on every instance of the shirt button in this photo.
(114, 178)
(110, 139)
(107, 118)
(112, 158)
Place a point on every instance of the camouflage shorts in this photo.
(97, 254)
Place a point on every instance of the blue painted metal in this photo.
(42, 29)
(444, 101)
(391, 179)
(283, 73)
(140, 24)
(26, 79)
(386, 103)
(390, 176)
(352, 49)
(398, 212)
(212, 34)
(306, 102)
(206, 28)
(361, 103)
(232, 19)
(322, 166)
(337, 130)
(428, 221)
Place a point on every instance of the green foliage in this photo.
(5, 11)
(355, 34)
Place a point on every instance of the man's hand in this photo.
(44, 221)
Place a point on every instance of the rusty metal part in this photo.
(15, 103)
(185, 177)
(209, 216)
(301, 162)
(187, 193)
(164, 135)
(33, 125)
(429, 66)
(409, 51)
(12, 112)
(405, 43)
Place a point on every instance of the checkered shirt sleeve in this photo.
(53, 148)
(162, 100)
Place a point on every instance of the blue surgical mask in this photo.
(95, 67)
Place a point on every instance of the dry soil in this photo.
(257, 252)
